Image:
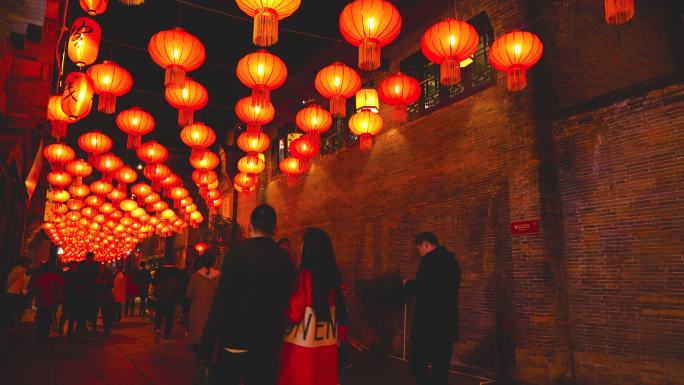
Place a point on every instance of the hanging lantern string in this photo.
(249, 20)
(59, 56)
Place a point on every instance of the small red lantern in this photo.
(58, 119)
(204, 160)
(338, 83)
(152, 152)
(178, 52)
(94, 143)
(201, 247)
(58, 154)
(399, 91)
(77, 98)
(84, 41)
(305, 147)
(135, 122)
(177, 194)
(141, 191)
(198, 136)
(262, 72)
(108, 164)
(251, 164)
(79, 169)
(448, 43)
(515, 53)
(94, 7)
(187, 99)
(156, 173)
(292, 167)
(254, 116)
(125, 176)
(110, 81)
(58, 179)
(101, 188)
(313, 120)
(365, 124)
(253, 142)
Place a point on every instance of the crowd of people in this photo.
(262, 319)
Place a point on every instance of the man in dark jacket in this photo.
(435, 322)
(167, 286)
(87, 306)
(248, 315)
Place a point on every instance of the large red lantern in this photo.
(338, 82)
(77, 98)
(84, 41)
(313, 120)
(135, 122)
(365, 124)
(156, 173)
(142, 191)
(448, 43)
(292, 167)
(399, 91)
(79, 169)
(178, 52)
(369, 25)
(94, 143)
(110, 81)
(253, 142)
(152, 152)
(187, 99)
(515, 53)
(94, 7)
(251, 164)
(125, 176)
(262, 72)
(255, 116)
(58, 154)
(108, 164)
(619, 11)
(198, 136)
(57, 118)
(305, 147)
(266, 14)
(204, 160)
(246, 180)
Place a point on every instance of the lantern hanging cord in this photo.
(248, 20)
(60, 57)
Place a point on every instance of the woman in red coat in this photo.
(309, 355)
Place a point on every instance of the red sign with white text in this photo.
(530, 226)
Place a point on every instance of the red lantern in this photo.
(338, 83)
(515, 53)
(170, 182)
(79, 191)
(94, 7)
(292, 167)
(94, 201)
(156, 173)
(246, 180)
(365, 124)
(152, 152)
(203, 178)
(305, 147)
(619, 11)
(108, 164)
(253, 142)
(198, 136)
(116, 195)
(58, 119)
(262, 72)
(125, 176)
(399, 91)
(79, 169)
(101, 188)
(266, 14)
(369, 25)
(77, 98)
(177, 194)
(178, 52)
(201, 247)
(255, 116)
(142, 191)
(58, 179)
(110, 81)
(251, 164)
(84, 41)
(58, 154)
(94, 143)
(448, 43)
(187, 99)
(135, 122)
(313, 120)
(204, 160)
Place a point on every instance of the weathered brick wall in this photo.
(621, 178)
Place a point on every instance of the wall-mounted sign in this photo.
(530, 226)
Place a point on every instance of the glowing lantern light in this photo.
(365, 124)
(110, 80)
(253, 142)
(94, 7)
(101, 188)
(619, 11)
(128, 205)
(60, 208)
(198, 136)
(367, 99)
(177, 194)
(399, 91)
(169, 182)
(203, 178)
(152, 152)
(116, 195)
(187, 99)
(178, 52)
(58, 154)
(107, 208)
(448, 43)
(59, 196)
(125, 176)
(84, 41)
(135, 122)
(262, 72)
(108, 164)
(266, 14)
(305, 147)
(338, 83)
(245, 180)
(132, 2)
(369, 25)
(94, 201)
(79, 191)
(204, 160)
(292, 167)
(75, 204)
(94, 143)
(156, 173)
(515, 53)
(77, 98)
(58, 179)
(58, 119)
(313, 120)
(251, 164)
(254, 116)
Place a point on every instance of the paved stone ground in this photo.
(130, 357)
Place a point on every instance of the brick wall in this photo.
(621, 178)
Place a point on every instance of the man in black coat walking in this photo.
(435, 322)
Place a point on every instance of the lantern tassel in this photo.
(450, 72)
(261, 96)
(175, 77)
(369, 55)
(265, 27)
(365, 142)
(185, 117)
(107, 104)
(517, 78)
(399, 114)
(59, 129)
(291, 180)
(338, 106)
